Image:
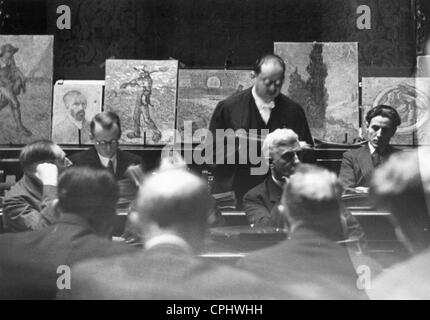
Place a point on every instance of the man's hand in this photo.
(47, 173)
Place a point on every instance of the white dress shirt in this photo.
(105, 161)
(167, 239)
(265, 108)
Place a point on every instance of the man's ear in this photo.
(253, 75)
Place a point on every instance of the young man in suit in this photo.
(261, 107)
(29, 203)
(32, 262)
(172, 212)
(358, 164)
(106, 132)
(260, 203)
(310, 262)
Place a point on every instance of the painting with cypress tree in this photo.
(323, 79)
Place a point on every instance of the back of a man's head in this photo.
(175, 200)
(91, 193)
(38, 151)
(402, 187)
(312, 198)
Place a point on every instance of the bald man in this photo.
(280, 150)
(172, 211)
(310, 261)
(261, 107)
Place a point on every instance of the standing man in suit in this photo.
(172, 211)
(28, 205)
(30, 260)
(106, 132)
(358, 164)
(262, 106)
(261, 202)
(310, 260)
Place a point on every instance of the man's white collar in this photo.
(167, 239)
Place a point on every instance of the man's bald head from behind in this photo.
(312, 197)
(175, 201)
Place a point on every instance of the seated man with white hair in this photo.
(280, 150)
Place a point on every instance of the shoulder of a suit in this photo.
(257, 190)
(238, 97)
(356, 151)
(127, 155)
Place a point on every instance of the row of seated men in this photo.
(27, 205)
(172, 210)
(69, 223)
(260, 107)
(34, 203)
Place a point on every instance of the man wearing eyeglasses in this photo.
(260, 107)
(280, 149)
(106, 133)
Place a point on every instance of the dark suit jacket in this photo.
(28, 205)
(234, 113)
(90, 158)
(308, 264)
(166, 271)
(260, 204)
(357, 167)
(29, 260)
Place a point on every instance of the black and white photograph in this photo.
(215, 155)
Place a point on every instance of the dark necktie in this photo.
(110, 167)
(376, 158)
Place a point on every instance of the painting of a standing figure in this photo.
(25, 88)
(323, 79)
(143, 90)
